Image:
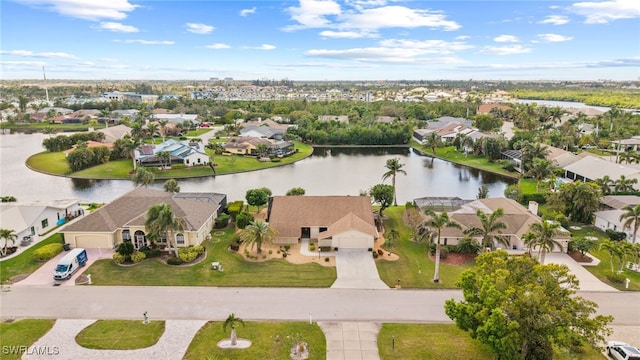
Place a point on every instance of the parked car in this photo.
(622, 351)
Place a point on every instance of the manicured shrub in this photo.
(187, 254)
(119, 259)
(198, 249)
(138, 256)
(326, 259)
(540, 198)
(468, 246)
(287, 246)
(284, 254)
(125, 248)
(325, 248)
(222, 221)
(151, 253)
(375, 255)
(312, 247)
(616, 235)
(174, 261)
(234, 208)
(48, 251)
(234, 247)
(615, 277)
(243, 219)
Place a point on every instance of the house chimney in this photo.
(533, 207)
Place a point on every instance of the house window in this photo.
(180, 239)
(126, 235)
(163, 239)
(445, 241)
(187, 161)
(45, 223)
(323, 228)
(58, 214)
(32, 230)
(198, 160)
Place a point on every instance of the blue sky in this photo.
(320, 39)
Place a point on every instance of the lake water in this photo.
(563, 104)
(329, 171)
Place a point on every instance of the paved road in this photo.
(210, 303)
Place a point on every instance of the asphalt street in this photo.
(211, 303)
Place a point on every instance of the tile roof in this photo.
(349, 222)
(131, 209)
(288, 214)
(620, 201)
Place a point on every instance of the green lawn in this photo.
(55, 163)
(527, 186)
(237, 271)
(25, 263)
(450, 153)
(198, 132)
(24, 332)
(269, 340)
(605, 262)
(414, 268)
(120, 334)
(445, 342)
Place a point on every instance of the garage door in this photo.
(92, 242)
(354, 242)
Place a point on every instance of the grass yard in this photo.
(110, 170)
(120, 334)
(25, 263)
(197, 132)
(414, 268)
(52, 163)
(237, 271)
(445, 342)
(23, 332)
(269, 340)
(228, 164)
(527, 186)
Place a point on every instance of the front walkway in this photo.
(357, 270)
(62, 337)
(588, 282)
(351, 340)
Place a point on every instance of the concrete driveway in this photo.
(588, 282)
(351, 340)
(44, 275)
(357, 270)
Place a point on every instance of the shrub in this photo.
(444, 251)
(616, 235)
(151, 253)
(234, 247)
(119, 259)
(222, 221)
(48, 251)
(284, 254)
(370, 249)
(199, 249)
(510, 166)
(468, 246)
(138, 256)
(187, 254)
(287, 246)
(174, 261)
(375, 255)
(125, 248)
(234, 208)
(312, 247)
(325, 248)
(540, 198)
(615, 277)
(326, 259)
(243, 219)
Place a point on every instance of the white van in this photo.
(70, 263)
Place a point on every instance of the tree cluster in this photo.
(337, 133)
(64, 142)
(84, 157)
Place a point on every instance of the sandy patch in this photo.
(386, 254)
(274, 251)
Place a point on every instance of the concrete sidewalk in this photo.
(351, 340)
(588, 282)
(62, 337)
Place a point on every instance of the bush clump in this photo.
(234, 208)
(119, 259)
(48, 251)
(222, 221)
(188, 254)
(138, 256)
(615, 277)
(198, 249)
(151, 253)
(243, 219)
(174, 261)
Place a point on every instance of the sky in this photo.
(320, 40)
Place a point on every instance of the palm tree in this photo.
(8, 235)
(395, 167)
(545, 233)
(231, 321)
(162, 221)
(437, 223)
(163, 127)
(143, 177)
(390, 240)
(623, 184)
(152, 129)
(433, 141)
(631, 218)
(258, 233)
(531, 151)
(490, 228)
(540, 169)
(614, 250)
(165, 158)
(171, 186)
(605, 184)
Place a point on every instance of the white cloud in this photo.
(363, 4)
(555, 20)
(606, 11)
(312, 13)
(463, 37)
(427, 46)
(12, 64)
(506, 38)
(93, 10)
(347, 34)
(217, 46)
(629, 62)
(245, 12)
(145, 42)
(199, 28)
(118, 27)
(109, 60)
(554, 37)
(265, 47)
(29, 53)
(397, 16)
(505, 50)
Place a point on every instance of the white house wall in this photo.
(605, 225)
(193, 159)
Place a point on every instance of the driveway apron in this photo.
(588, 282)
(357, 270)
(351, 340)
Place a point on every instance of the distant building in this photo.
(339, 118)
(135, 97)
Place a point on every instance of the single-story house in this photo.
(609, 218)
(272, 123)
(590, 168)
(488, 108)
(90, 144)
(31, 219)
(187, 153)
(339, 118)
(124, 220)
(263, 132)
(249, 146)
(516, 217)
(113, 133)
(631, 144)
(176, 118)
(560, 157)
(345, 222)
